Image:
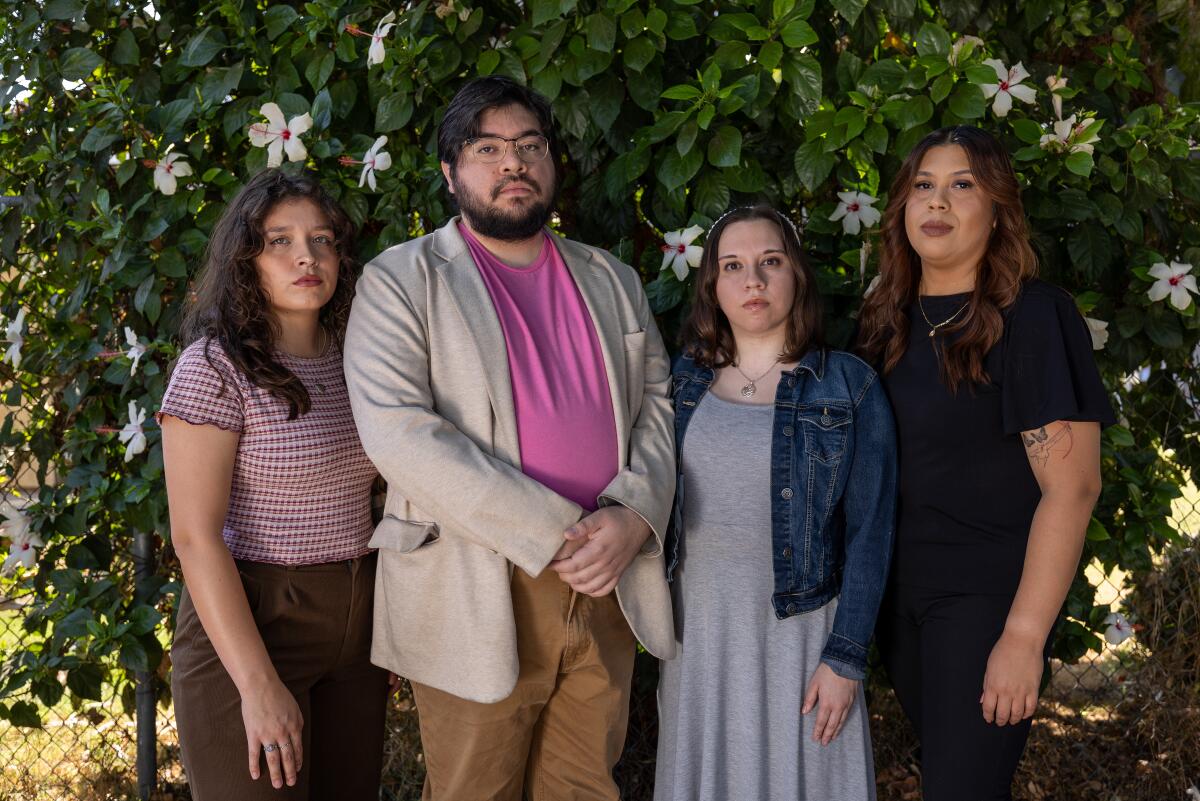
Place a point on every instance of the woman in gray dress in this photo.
(781, 537)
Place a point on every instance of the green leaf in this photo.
(1090, 248)
(322, 110)
(682, 91)
(544, 11)
(220, 82)
(915, 111)
(675, 170)
(813, 164)
(932, 40)
(711, 196)
(1027, 131)
(601, 32)
(203, 47)
(681, 27)
(665, 292)
(319, 69)
(25, 715)
(638, 53)
(850, 9)
(62, 9)
(1080, 163)
(133, 655)
(876, 137)
(687, 136)
(394, 112)
(1163, 330)
(173, 115)
(125, 51)
(968, 102)
(606, 96)
(548, 81)
(488, 61)
(725, 147)
(748, 177)
(98, 138)
(1096, 532)
(941, 87)
(279, 18)
(981, 74)
(798, 33)
(770, 55)
(86, 681)
(803, 74)
(78, 63)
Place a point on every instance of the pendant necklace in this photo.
(933, 329)
(750, 388)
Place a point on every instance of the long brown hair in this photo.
(230, 306)
(706, 334)
(1008, 262)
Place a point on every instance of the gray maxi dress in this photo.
(731, 727)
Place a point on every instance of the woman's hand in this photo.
(273, 718)
(1010, 684)
(832, 696)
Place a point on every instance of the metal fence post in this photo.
(147, 725)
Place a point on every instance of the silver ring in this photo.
(269, 747)
(285, 745)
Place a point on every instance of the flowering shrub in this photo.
(124, 127)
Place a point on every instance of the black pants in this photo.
(935, 646)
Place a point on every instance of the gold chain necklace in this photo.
(749, 389)
(933, 329)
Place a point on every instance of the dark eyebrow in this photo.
(957, 172)
(280, 228)
(765, 252)
(522, 135)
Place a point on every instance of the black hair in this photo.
(461, 120)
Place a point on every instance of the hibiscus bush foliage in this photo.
(125, 126)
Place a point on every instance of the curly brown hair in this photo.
(1007, 264)
(229, 305)
(706, 334)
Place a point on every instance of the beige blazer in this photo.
(429, 384)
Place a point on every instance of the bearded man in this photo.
(511, 386)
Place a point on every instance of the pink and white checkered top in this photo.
(301, 491)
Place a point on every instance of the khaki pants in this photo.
(315, 621)
(559, 734)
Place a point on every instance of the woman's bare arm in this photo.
(199, 460)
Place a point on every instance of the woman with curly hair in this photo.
(269, 492)
(998, 408)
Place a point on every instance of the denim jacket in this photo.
(833, 491)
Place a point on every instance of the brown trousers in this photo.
(315, 621)
(559, 734)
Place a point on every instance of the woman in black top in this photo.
(998, 408)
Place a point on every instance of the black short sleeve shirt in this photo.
(967, 493)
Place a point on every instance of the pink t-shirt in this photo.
(565, 425)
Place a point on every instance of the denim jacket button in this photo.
(787, 552)
(786, 494)
(788, 431)
(826, 419)
(791, 382)
(792, 609)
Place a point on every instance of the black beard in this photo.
(494, 223)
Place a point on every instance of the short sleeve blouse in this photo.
(301, 489)
(967, 492)
(1049, 368)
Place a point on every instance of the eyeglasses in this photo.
(493, 149)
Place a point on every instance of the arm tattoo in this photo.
(1040, 444)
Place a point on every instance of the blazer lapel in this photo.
(597, 288)
(460, 276)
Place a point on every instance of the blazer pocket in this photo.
(635, 371)
(402, 536)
